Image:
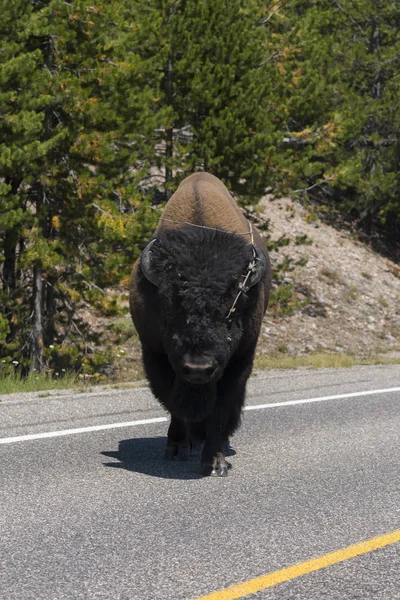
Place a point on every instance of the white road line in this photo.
(322, 398)
(63, 432)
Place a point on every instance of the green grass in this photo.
(36, 383)
(320, 360)
(124, 329)
(41, 383)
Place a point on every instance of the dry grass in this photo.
(332, 276)
(351, 294)
(321, 360)
(37, 383)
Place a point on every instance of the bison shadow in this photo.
(145, 455)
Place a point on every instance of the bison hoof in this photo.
(221, 471)
(218, 468)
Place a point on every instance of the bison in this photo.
(197, 299)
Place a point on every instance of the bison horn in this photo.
(145, 263)
(260, 267)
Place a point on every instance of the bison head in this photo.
(197, 274)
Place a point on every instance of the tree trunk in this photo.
(375, 46)
(10, 257)
(21, 250)
(373, 125)
(37, 325)
(50, 310)
(10, 245)
(169, 134)
(38, 192)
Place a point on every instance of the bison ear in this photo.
(260, 266)
(145, 263)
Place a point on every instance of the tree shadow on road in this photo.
(145, 455)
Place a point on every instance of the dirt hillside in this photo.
(346, 297)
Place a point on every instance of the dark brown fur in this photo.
(199, 271)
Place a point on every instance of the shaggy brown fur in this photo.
(203, 199)
(181, 315)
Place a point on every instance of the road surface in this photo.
(89, 510)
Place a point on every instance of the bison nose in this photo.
(198, 372)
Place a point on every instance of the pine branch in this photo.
(319, 183)
(271, 14)
(352, 20)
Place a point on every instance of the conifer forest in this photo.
(106, 105)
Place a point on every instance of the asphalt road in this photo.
(99, 514)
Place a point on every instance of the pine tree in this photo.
(215, 76)
(23, 101)
(71, 159)
(370, 172)
(343, 118)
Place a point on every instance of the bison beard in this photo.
(192, 403)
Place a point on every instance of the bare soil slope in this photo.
(348, 296)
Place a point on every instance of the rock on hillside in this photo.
(345, 299)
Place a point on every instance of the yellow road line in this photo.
(252, 586)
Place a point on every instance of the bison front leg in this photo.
(213, 461)
(178, 445)
(226, 416)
